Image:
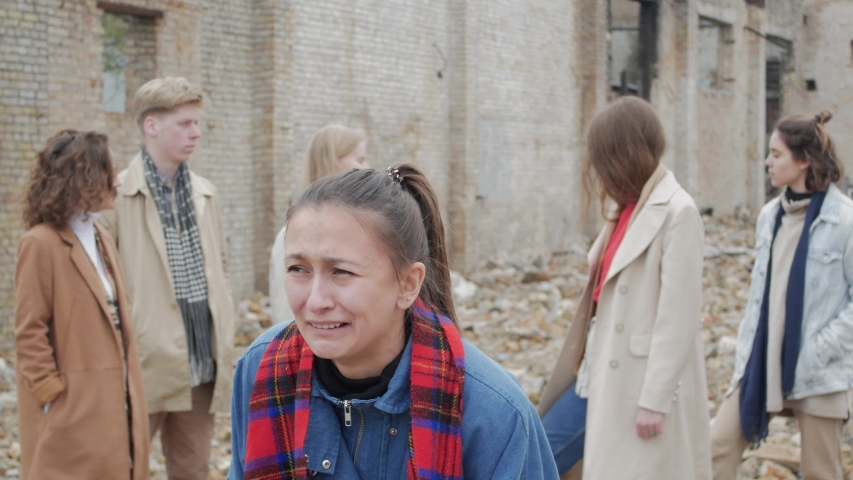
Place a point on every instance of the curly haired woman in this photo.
(80, 403)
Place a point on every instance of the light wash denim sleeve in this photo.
(836, 337)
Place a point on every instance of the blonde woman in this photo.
(334, 149)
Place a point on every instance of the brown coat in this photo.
(160, 333)
(68, 353)
(647, 348)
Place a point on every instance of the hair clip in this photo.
(394, 173)
(818, 118)
(68, 139)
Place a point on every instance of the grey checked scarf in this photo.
(186, 262)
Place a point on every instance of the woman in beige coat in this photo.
(81, 408)
(635, 347)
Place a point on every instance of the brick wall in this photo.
(226, 69)
(674, 89)
(824, 53)
(490, 98)
(141, 49)
(722, 109)
(525, 95)
(372, 66)
(51, 76)
(708, 92)
(23, 119)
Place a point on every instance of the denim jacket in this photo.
(825, 364)
(502, 437)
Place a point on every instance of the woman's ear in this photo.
(410, 285)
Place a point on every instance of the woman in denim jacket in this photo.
(795, 344)
(372, 380)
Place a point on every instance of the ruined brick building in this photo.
(490, 97)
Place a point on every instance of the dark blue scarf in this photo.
(754, 417)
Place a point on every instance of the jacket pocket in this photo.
(825, 257)
(88, 395)
(824, 276)
(639, 345)
(826, 353)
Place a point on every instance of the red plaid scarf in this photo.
(279, 407)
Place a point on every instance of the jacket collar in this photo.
(830, 211)
(645, 226)
(642, 230)
(134, 181)
(398, 397)
(84, 265)
(664, 191)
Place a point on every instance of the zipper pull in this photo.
(347, 413)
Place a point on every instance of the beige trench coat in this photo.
(647, 348)
(160, 335)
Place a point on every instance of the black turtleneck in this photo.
(344, 388)
(792, 196)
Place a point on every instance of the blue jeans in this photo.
(565, 427)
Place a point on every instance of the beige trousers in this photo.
(186, 436)
(820, 452)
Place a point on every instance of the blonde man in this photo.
(168, 228)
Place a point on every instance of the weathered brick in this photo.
(491, 99)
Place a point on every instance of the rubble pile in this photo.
(518, 311)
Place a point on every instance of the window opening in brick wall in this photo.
(778, 56)
(625, 71)
(129, 57)
(625, 60)
(715, 50)
(811, 85)
(116, 28)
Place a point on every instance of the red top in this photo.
(613, 245)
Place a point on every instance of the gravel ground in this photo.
(518, 312)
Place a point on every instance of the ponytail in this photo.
(437, 281)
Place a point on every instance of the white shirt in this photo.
(83, 225)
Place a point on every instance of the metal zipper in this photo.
(360, 433)
(347, 404)
(347, 412)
